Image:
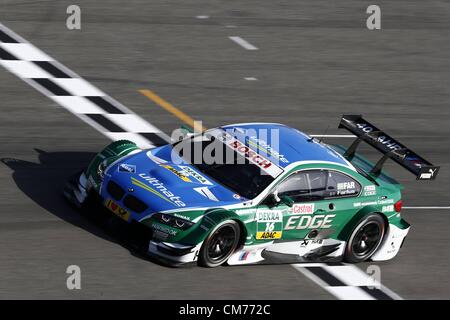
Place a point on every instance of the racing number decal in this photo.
(269, 224)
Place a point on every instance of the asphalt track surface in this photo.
(315, 61)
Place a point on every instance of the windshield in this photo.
(213, 158)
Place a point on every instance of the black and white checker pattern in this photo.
(346, 282)
(74, 93)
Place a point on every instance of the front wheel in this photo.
(220, 244)
(365, 238)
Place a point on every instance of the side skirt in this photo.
(302, 251)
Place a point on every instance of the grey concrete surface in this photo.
(316, 60)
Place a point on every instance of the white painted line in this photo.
(25, 51)
(332, 136)
(230, 26)
(131, 123)
(243, 43)
(349, 293)
(251, 78)
(351, 275)
(202, 17)
(24, 69)
(391, 293)
(426, 208)
(77, 105)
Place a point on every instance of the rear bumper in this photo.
(392, 243)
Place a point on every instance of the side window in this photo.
(296, 186)
(317, 183)
(305, 185)
(341, 185)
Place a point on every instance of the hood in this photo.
(165, 184)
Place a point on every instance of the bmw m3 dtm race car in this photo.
(257, 193)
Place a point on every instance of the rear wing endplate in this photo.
(391, 148)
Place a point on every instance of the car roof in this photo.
(284, 145)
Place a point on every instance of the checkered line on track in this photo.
(74, 93)
(346, 282)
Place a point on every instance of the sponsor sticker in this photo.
(307, 208)
(269, 216)
(181, 216)
(301, 222)
(346, 185)
(389, 208)
(124, 167)
(267, 148)
(164, 229)
(176, 172)
(428, 175)
(268, 235)
(384, 140)
(371, 203)
(117, 210)
(245, 211)
(370, 190)
(346, 188)
(265, 164)
(386, 201)
(306, 243)
(156, 187)
(244, 255)
(189, 172)
(414, 160)
(269, 224)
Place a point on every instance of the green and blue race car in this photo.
(256, 193)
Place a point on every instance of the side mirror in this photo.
(287, 200)
(274, 200)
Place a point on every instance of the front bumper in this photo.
(174, 254)
(75, 191)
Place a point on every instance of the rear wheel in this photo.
(220, 244)
(365, 239)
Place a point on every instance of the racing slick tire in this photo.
(365, 238)
(220, 244)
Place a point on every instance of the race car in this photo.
(256, 193)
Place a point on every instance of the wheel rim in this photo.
(221, 243)
(366, 239)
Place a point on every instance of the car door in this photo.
(271, 217)
(309, 212)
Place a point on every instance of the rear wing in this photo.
(391, 148)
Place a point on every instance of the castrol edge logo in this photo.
(265, 164)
